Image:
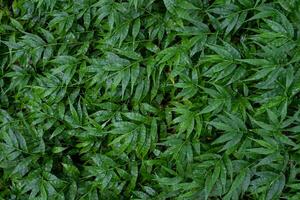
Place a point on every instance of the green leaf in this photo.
(135, 116)
(276, 187)
(170, 5)
(58, 149)
(221, 51)
(16, 24)
(224, 138)
(73, 112)
(256, 62)
(210, 181)
(236, 184)
(136, 27)
(211, 107)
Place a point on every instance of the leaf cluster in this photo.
(149, 99)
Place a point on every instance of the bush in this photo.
(149, 99)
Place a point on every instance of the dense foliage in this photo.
(149, 99)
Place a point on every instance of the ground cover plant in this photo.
(149, 99)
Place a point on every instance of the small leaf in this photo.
(58, 149)
(210, 181)
(136, 27)
(211, 107)
(170, 5)
(276, 187)
(16, 24)
(236, 184)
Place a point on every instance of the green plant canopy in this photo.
(149, 99)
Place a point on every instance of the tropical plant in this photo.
(150, 99)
